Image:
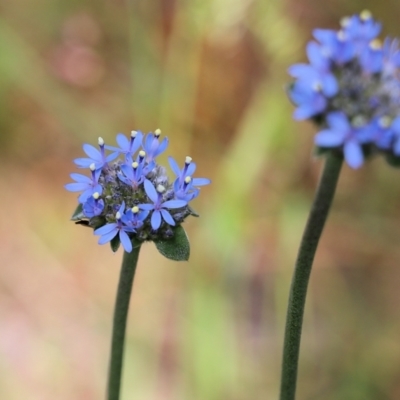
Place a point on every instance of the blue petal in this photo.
(142, 215)
(124, 179)
(200, 181)
(108, 236)
(167, 217)
(306, 111)
(174, 166)
(137, 142)
(147, 207)
(112, 156)
(92, 152)
(329, 85)
(85, 196)
(128, 171)
(123, 142)
(83, 162)
(113, 148)
(161, 147)
(148, 141)
(338, 121)
(325, 36)
(80, 178)
(191, 169)
(174, 204)
(106, 229)
(76, 187)
(156, 219)
(302, 71)
(328, 138)
(122, 208)
(316, 57)
(353, 154)
(396, 125)
(126, 242)
(151, 191)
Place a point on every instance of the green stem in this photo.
(298, 291)
(128, 269)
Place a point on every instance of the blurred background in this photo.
(211, 75)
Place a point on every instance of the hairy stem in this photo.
(298, 291)
(128, 269)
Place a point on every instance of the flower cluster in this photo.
(351, 89)
(128, 195)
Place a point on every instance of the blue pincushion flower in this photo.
(351, 89)
(130, 199)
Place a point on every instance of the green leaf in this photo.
(177, 248)
(78, 214)
(97, 222)
(114, 243)
(192, 212)
(393, 160)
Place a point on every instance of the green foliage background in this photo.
(211, 74)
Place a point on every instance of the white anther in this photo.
(344, 22)
(317, 86)
(365, 15)
(375, 44)
(160, 188)
(385, 121)
(358, 121)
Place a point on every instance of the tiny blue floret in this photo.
(98, 157)
(159, 206)
(110, 230)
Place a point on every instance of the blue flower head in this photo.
(351, 89)
(132, 200)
